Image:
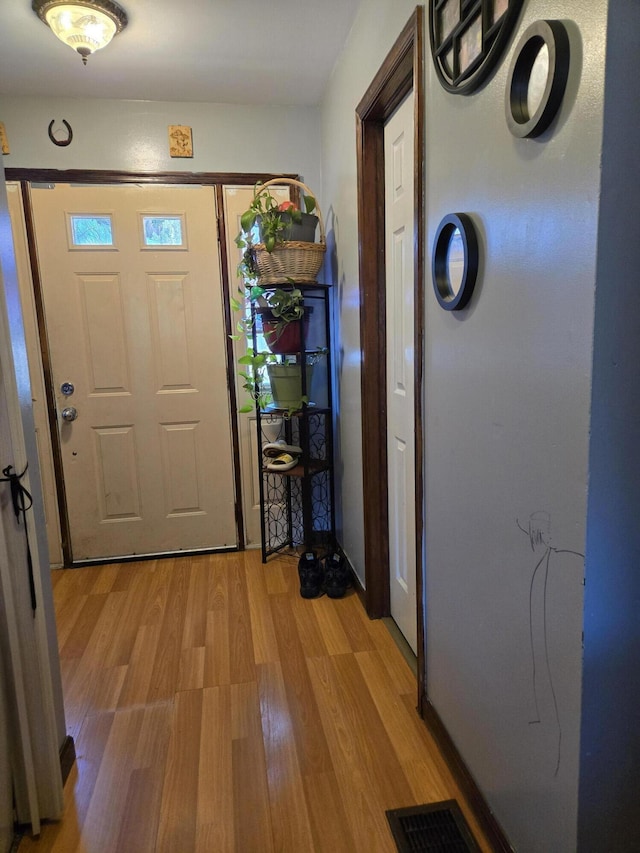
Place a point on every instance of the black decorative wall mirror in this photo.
(455, 261)
(537, 78)
(468, 38)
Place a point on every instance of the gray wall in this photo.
(132, 135)
(507, 385)
(609, 813)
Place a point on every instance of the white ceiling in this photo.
(219, 51)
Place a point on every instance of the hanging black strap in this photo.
(22, 501)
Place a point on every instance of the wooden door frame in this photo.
(27, 176)
(401, 72)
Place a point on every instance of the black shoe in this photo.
(311, 575)
(336, 576)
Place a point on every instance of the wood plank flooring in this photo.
(215, 710)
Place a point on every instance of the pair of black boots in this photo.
(330, 575)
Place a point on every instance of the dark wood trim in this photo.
(52, 411)
(67, 757)
(225, 275)
(396, 76)
(370, 152)
(401, 72)
(419, 344)
(107, 176)
(467, 784)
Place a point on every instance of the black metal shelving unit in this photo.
(298, 507)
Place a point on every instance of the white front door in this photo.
(133, 308)
(398, 155)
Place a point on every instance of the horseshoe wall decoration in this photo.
(61, 142)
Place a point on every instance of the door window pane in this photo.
(91, 229)
(162, 231)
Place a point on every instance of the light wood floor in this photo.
(215, 710)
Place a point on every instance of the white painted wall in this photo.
(132, 135)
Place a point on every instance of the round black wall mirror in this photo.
(455, 261)
(537, 78)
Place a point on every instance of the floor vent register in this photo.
(434, 828)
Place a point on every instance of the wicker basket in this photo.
(291, 259)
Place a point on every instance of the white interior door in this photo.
(236, 201)
(28, 644)
(6, 774)
(132, 299)
(38, 396)
(398, 155)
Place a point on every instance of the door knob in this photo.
(69, 413)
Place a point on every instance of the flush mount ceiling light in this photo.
(85, 25)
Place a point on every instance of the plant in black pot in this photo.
(276, 221)
(284, 246)
(281, 313)
(285, 319)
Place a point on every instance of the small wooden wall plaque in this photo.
(180, 141)
(4, 142)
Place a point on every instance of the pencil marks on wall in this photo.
(555, 596)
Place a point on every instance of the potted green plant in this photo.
(285, 379)
(277, 221)
(282, 312)
(283, 391)
(285, 247)
(253, 366)
(283, 315)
